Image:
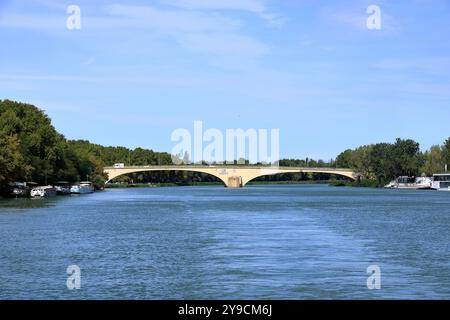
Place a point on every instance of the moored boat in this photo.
(19, 190)
(43, 192)
(441, 182)
(62, 188)
(82, 188)
(411, 183)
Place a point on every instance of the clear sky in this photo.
(138, 70)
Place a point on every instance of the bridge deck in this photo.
(172, 167)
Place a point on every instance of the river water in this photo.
(260, 242)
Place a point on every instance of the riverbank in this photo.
(334, 183)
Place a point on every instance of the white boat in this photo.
(441, 182)
(44, 191)
(82, 188)
(411, 183)
(62, 188)
(19, 190)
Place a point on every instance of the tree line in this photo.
(382, 162)
(32, 150)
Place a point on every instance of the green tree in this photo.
(406, 158)
(12, 164)
(38, 141)
(433, 161)
(358, 159)
(381, 162)
(446, 152)
(344, 160)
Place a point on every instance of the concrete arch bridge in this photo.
(231, 176)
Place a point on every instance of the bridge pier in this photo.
(234, 182)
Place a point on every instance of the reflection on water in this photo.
(261, 242)
(19, 203)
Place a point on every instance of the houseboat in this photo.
(441, 182)
(82, 188)
(62, 188)
(19, 190)
(43, 192)
(411, 183)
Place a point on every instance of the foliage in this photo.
(12, 164)
(383, 162)
(433, 161)
(33, 140)
(446, 153)
(32, 150)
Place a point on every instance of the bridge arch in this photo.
(349, 175)
(112, 174)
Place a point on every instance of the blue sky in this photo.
(138, 70)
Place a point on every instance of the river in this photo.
(260, 242)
